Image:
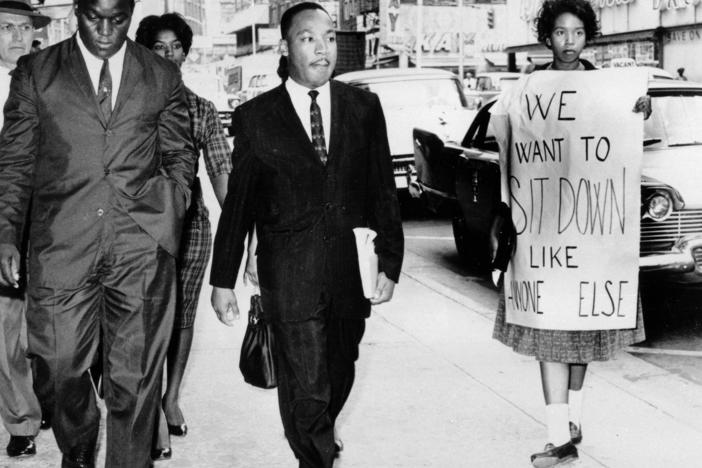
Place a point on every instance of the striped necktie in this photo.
(318, 141)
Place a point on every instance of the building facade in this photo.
(662, 33)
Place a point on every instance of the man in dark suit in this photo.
(305, 197)
(97, 136)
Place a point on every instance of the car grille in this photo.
(659, 237)
(401, 165)
(697, 255)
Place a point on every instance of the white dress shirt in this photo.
(5, 79)
(94, 64)
(301, 101)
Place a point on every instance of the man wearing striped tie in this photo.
(311, 162)
(97, 135)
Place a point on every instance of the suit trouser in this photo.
(316, 369)
(126, 306)
(19, 406)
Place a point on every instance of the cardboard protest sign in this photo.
(574, 181)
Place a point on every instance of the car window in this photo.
(675, 121)
(484, 83)
(419, 93)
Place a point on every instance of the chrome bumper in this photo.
(680, 259)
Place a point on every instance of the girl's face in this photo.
(168, 46)
(567, 41)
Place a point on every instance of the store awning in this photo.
(538, 49)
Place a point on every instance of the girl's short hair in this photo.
(552, 9)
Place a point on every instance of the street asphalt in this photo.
(433, 390)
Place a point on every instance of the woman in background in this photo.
(170, 37)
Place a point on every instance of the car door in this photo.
(478, 179)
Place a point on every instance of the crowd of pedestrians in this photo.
(104, 234)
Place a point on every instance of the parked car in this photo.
(488, 86)
(259, 84)
(466, 177)
(654, 73)
(411, 97)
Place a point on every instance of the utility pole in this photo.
(418, 33)
(461, 42)
(253, 27)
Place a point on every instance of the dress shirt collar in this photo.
(94, 64)
(299, 92)
(299, 95)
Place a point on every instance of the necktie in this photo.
(318, 141)
(105, 90)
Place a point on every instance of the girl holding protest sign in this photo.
(564, 26)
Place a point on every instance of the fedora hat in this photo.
(24, 8)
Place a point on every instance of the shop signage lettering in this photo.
(689, 35)
(673, 4)
(529, 9)
(609, 3)
(447, 42)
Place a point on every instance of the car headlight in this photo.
(660, 206)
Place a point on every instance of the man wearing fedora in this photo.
(19, 407)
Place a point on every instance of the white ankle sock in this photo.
(575, 406)
(557, 423)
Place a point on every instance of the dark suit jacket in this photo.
(57, 148)
(304, 212)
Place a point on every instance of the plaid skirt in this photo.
(565, 346)
(195, 251)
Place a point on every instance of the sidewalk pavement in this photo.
(433, 390)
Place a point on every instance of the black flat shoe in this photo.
(178, 431)
(552, 456)
(161, 454)
(21, 446)
(576, 433)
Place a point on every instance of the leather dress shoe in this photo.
(161, 454)
(82, 456)
(576, 433)
(178, 431)
(21, 446)
(552, 456)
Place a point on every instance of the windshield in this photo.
(506, 83)
(675, 121)
(419, 93)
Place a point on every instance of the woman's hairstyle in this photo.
(286, 23)
(552, 9)
(150, 26)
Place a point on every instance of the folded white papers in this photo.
(367, 259)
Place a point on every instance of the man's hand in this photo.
(9, 265)
(383, 289)
(224, 304)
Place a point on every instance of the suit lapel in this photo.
(339, 109)
(132, 71)
(80, 74)
(291, 122)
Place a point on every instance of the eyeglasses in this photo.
(8, 28)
